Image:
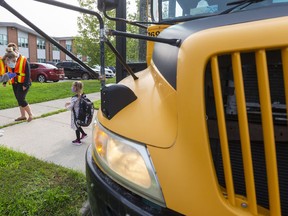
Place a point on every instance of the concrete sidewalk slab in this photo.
(48, 138)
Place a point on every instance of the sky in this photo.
(54, 21)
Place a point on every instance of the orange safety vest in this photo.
(2, 67)
(19, 68)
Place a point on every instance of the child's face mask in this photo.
(73, 89)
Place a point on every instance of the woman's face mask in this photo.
(11, 64)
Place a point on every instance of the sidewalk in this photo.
(48, 138)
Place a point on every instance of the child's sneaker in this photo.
(76, 142)
(84, 136)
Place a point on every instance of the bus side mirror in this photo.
(107, 5)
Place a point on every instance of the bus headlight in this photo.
(126, 162)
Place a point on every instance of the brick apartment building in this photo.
(34, 46)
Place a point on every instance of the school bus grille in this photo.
(246, 95)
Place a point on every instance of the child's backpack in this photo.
(86, 111)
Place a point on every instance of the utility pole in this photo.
(143, 17)
(121, 41)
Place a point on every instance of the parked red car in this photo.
(43, 72)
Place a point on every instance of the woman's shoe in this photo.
(21, 118)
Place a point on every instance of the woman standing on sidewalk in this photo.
(19, 64)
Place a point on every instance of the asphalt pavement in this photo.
(48, 138)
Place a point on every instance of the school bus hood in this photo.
(151, 118)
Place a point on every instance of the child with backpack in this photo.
(73, 105)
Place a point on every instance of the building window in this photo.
(41, 60)
(56, 60)
(40, 43)
(22, 42)
(3, 39)
(55, 48)
(69, 45)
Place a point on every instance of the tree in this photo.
(87, 44)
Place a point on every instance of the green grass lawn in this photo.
(31, 187)
(40, 92)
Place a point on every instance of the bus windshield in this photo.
(176, 10)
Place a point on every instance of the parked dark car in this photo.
(112, 68)
(74, 70)
(43, 72)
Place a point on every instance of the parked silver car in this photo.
(108, 72)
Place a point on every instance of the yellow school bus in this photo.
(203, 130)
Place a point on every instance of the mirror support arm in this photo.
(123, 20)
(172, 42)
(39, 31)
(129, 70)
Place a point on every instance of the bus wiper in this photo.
(239, 3)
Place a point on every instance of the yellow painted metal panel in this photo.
(184, 146)
(268, 133)
(153, 31)
(222, 130)
(153, 127)
(244, 132)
